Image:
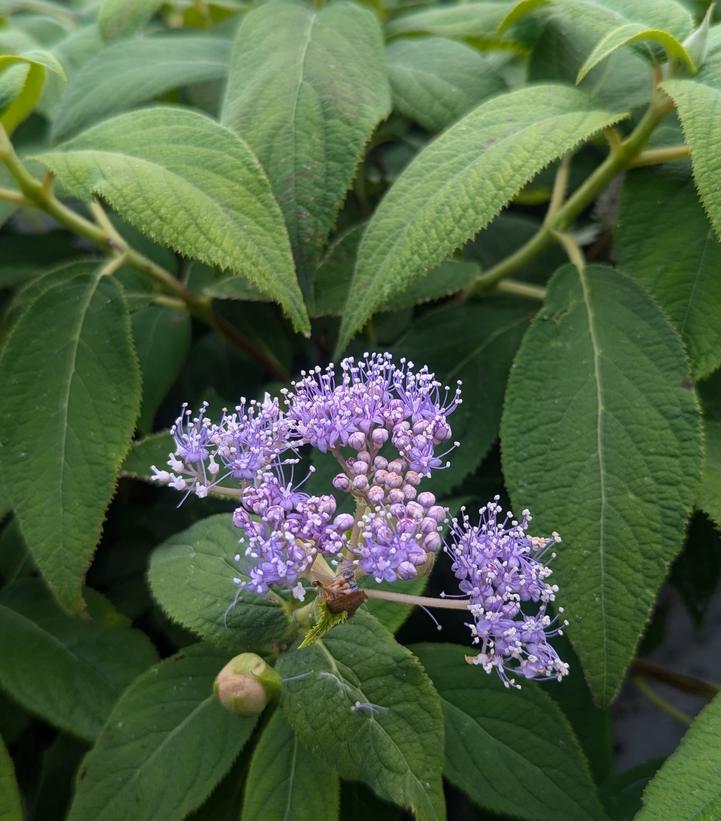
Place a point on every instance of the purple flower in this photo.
(398, 541)
(501, 569)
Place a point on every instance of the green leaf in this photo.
(165, 746)
(191, 578)
(476, 20)
(688, 785)
(152, 450)
(697, 102)
(475, 342)
(601, 439)
(189, 183)
(121, 18)
(664, 241)
(38, 63)
(11, 808)
(457, 184)
(435, 81)
(359, 663)
(709, 499)
(621, 794)
(629, 33)
(307, 88)
(162, 340)
(126, 74)
(600, 17)
(286, 781)
(511, 751)
(573, 28)
(67, 671)
(70, 399)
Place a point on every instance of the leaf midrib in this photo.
(597, 374)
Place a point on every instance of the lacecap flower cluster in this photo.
(386, 424)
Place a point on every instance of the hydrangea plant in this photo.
(405, 266)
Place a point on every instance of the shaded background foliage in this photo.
(202, 198)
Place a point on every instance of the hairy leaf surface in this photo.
(512, 751)
(458, 183)
(191, 577)
(436, 80)
(67, 671)
(121, 18)
(306, 89)
(166, 744)
(375, 696)
(71, 395)
(601, 440)
(187, 182)
(286, 781)
(688, 785)
(126, 74)
(710, 493)
(664, 241)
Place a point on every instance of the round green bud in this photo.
(246, 684)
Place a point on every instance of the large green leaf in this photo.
(458, 183)
(11, 808)
(663, 240)
(435, 80)
(573, 28)
(512, 751)
(381, 718)
(601, 439)
(600, 17)
(710, 493)
(474, 342)
(67, 671)
(162, 340)
(120, 18)
(71, 394)
(126, 74)
(306, 89)
(189, 183)
(191, 577)
(165, 746)
(688, 785)
(698, 102)
(286, 781)
(476, 20)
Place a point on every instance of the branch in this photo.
(618, 159)
(687, 684)
(656, 156)
(103, 234)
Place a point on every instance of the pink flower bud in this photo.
(396, 496)
(376, 495)
(341, 482)
(246, 684)
(344, 521)
(426, 499)
(379, 437)
(357, 440)
(380, 463)
(360, 483)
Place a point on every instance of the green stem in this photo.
(661, 702)
(513, 286)
(687, 684)
(657, 156)
(103, 234)
(617, 160)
